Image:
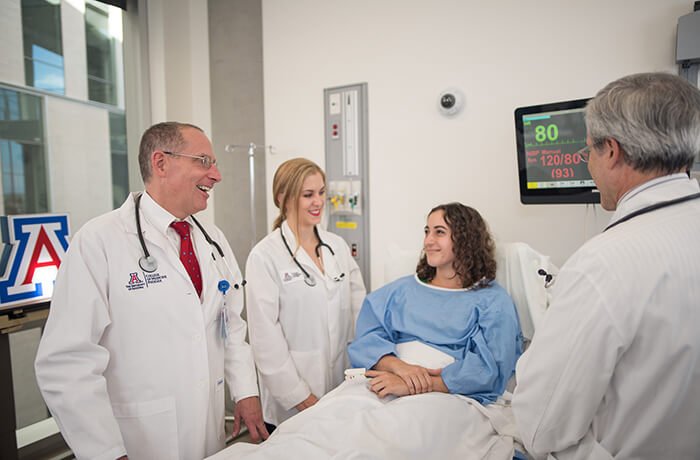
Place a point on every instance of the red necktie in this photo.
(187, 255)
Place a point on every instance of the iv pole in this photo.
(251, 171)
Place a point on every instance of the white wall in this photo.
(12, 55)
(502, 55)
(79, 160)
(235, 51)
(74, 48)
(178, 52)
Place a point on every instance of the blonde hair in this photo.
(287, 183)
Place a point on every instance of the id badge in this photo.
(224, 323)
(223, 316)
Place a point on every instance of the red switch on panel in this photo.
(353, 250)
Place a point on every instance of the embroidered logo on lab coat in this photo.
(290, 276)
(135, 282)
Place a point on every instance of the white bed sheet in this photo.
(351, 422)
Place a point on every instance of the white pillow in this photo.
(424, 355)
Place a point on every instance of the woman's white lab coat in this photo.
(132, 362)
(299, 333)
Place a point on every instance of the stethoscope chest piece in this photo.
(309, 280)
(308, 277)
(148, 264)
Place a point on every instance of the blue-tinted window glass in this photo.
(101, 56)
(24, 183)
(47, 76)
(120, 169)
(43, 48)
(48, 57)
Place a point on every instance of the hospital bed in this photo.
(352, 423)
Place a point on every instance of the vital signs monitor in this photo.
(550, 171)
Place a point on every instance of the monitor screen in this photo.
(548, 137)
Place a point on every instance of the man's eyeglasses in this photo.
(207, 161)
(584, 153)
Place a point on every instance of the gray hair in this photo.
(161, 136)
(655, 117)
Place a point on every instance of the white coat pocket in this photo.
(149, 429)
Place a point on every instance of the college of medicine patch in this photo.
(135, 282)
(287, 276)
(141, 280)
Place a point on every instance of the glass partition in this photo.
(101, 53)
(24, 175)
(120, 170)
(43, 46)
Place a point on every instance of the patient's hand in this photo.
(308, 402)
(417, 378)
(385, 383)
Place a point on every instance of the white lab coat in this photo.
(133, 363)
(614, 369)
(299, 333)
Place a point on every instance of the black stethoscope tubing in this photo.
(308, 279)
(148, 263)
(653, 207)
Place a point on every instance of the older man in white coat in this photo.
(136, 349)
(614, 370)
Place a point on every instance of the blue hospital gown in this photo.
(479, 328)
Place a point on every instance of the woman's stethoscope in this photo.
(308, 279)
(149, 264)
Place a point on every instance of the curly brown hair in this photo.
(473, 247)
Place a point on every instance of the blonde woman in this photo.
(304, 294)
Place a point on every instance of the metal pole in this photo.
(251, 171)
(251, 165)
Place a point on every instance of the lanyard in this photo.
(653, 207)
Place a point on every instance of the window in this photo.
(43, 48)
(22, 156)
(100, 24)
(120, 170)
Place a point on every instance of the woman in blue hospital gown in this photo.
(450, 330)
(452, 304)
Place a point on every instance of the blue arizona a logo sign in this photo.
(33, 247)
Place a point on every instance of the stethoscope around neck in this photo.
(308, 278)
(653, 207)
(149, 264)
